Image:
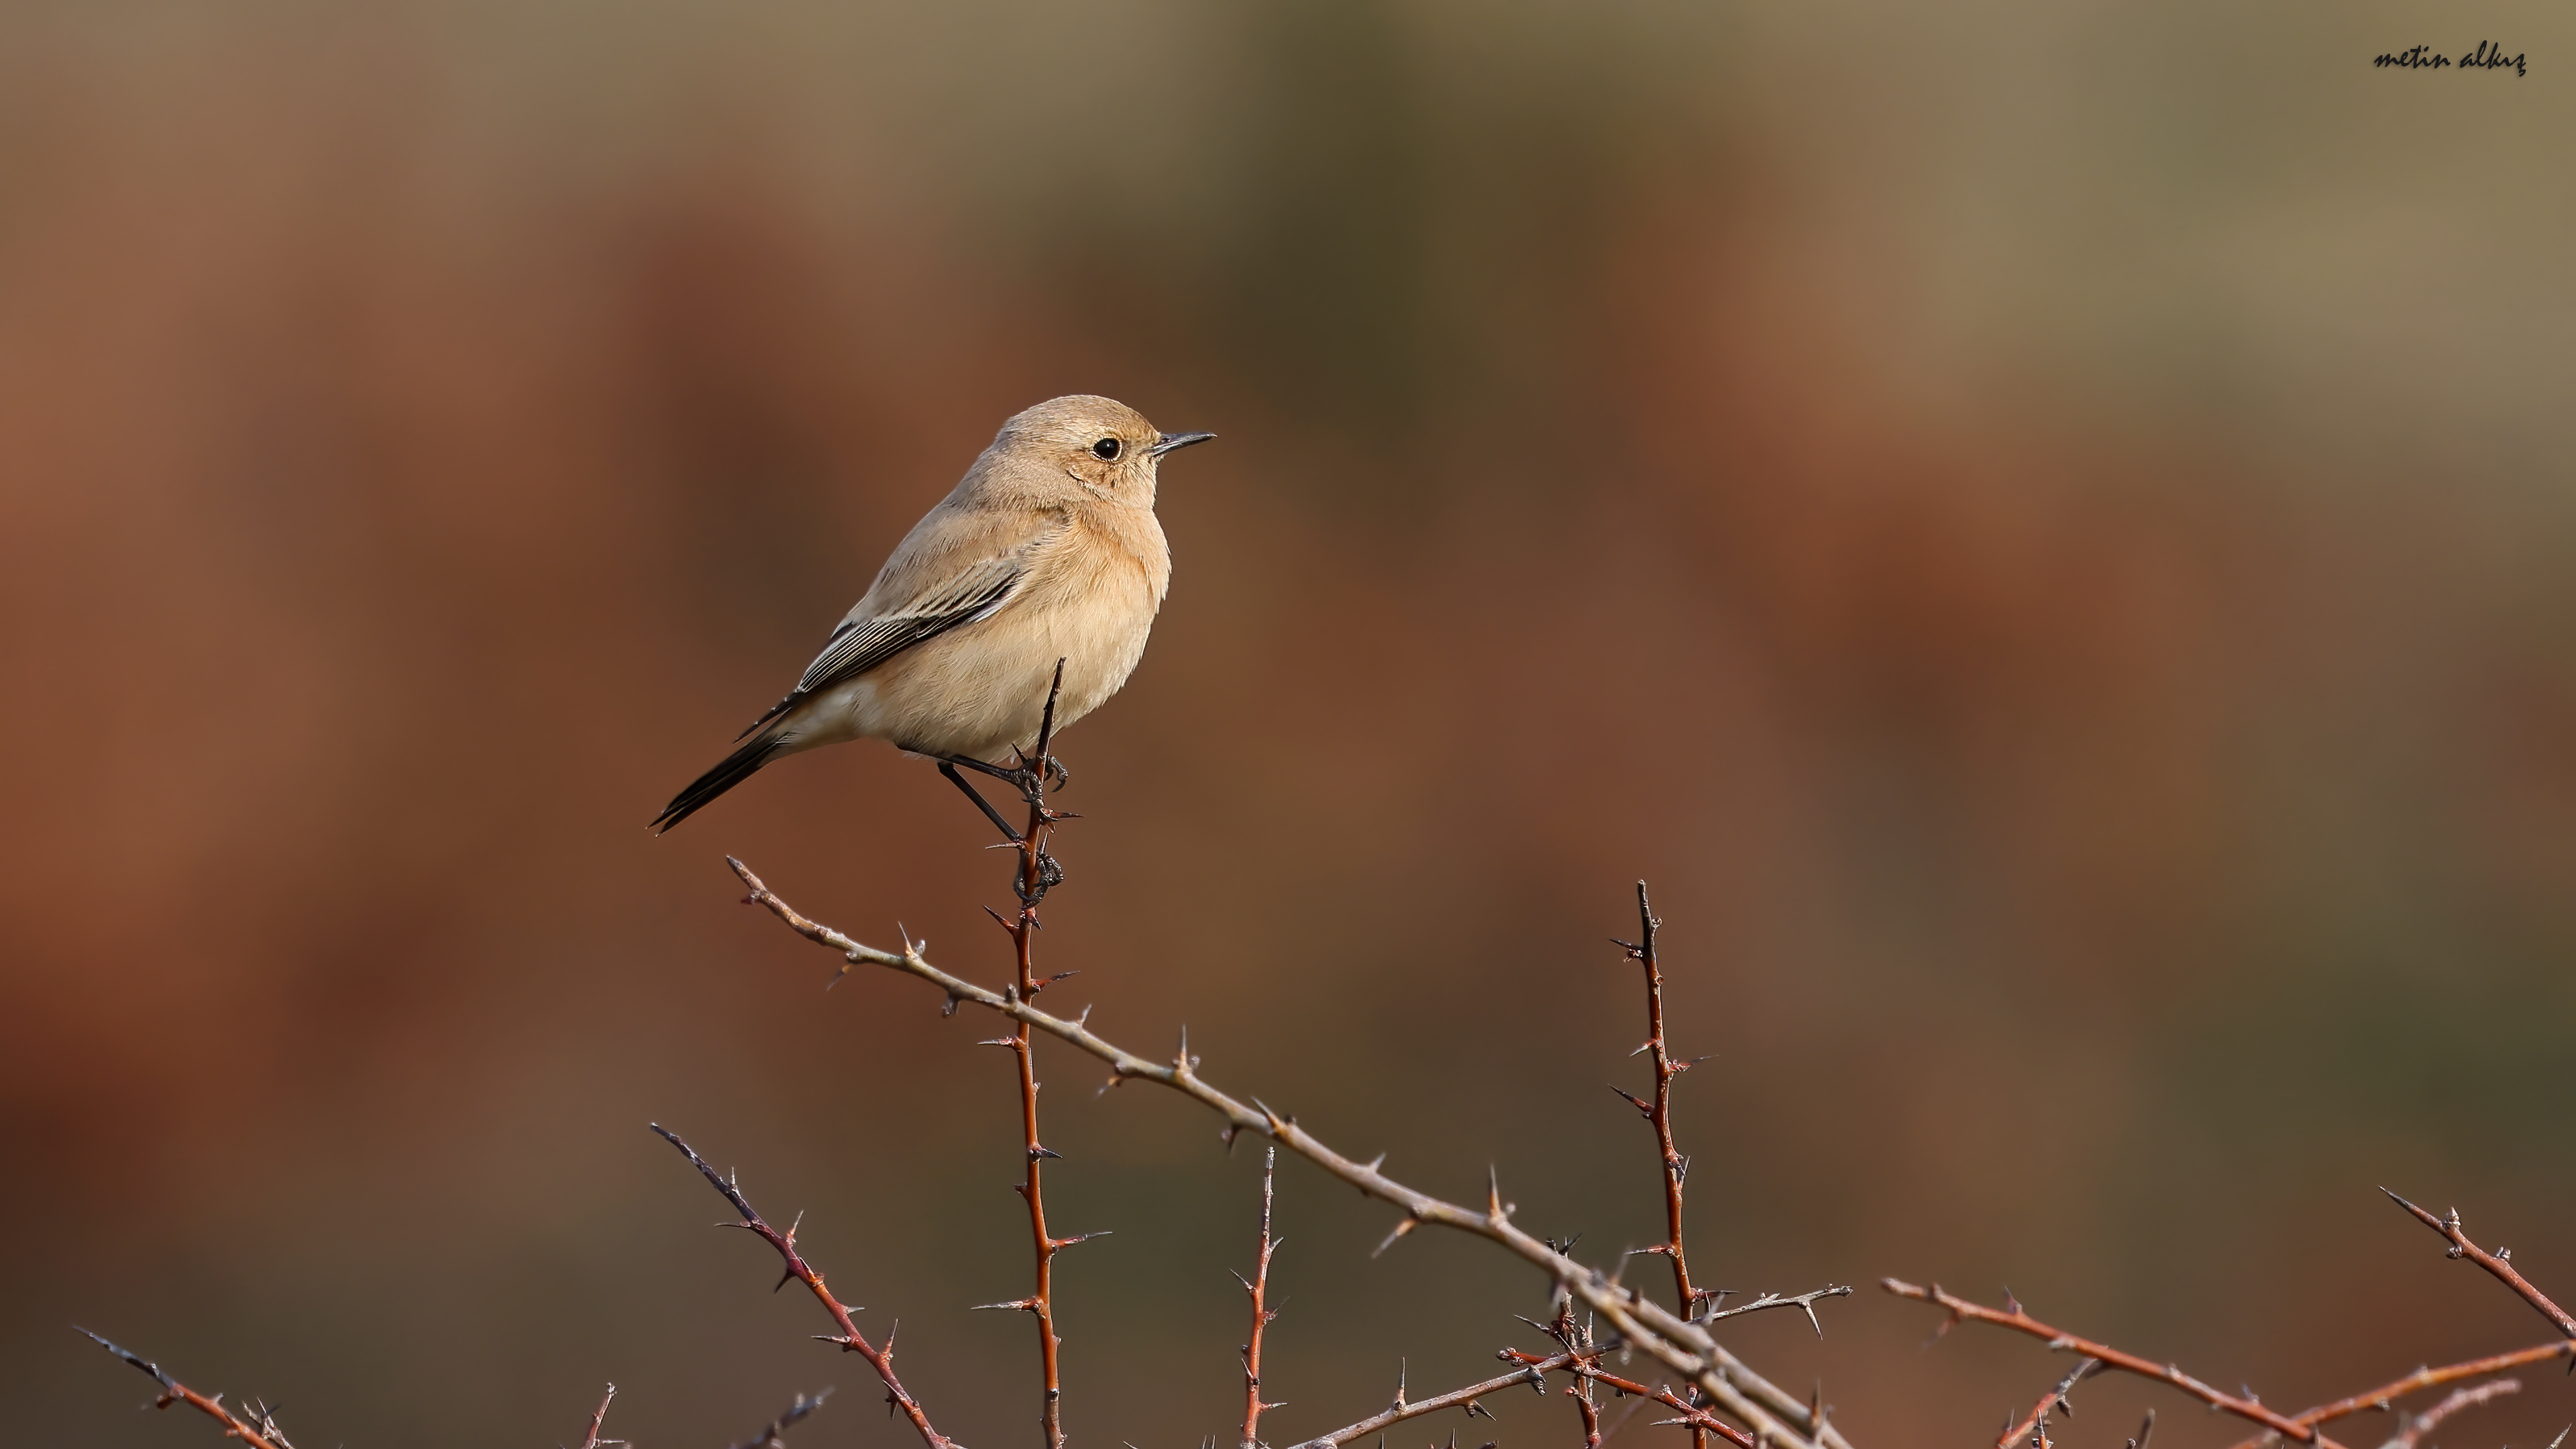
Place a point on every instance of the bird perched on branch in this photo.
(1046, 554)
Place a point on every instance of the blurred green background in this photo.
(2045, 531)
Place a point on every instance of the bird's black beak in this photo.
(1174, 442)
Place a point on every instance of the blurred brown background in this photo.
(2045, 531)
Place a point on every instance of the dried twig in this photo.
(2499, 1263)
(2416, 1426)
(1659, 1112)
(2303, 1426)
(1692, 1415)
(1806, 1301)
(1581, 1392)
(1683, 1347)
(1634, 1404)
(2384, 1397)
(1577, 1342)
(879, 1357)
(2033, 1426)
(2014, 1318)
(590, 1437)
(1258, 1288)
(260, 1429)
(1466, 1398)
(1038, 873)
(774, 1436)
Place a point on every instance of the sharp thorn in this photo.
(1407, 1225)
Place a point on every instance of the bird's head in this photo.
(1100, 445)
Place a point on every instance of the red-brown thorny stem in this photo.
(879, 1356)
(1032, 887)
(1258, 1287)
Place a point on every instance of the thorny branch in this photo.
(2014, 1317)
(1037, 873)
(1692, 1416)
(1578, 1342)
(590, 1437)
(2304, 1427)
(2384, 1397)
(2033, 1426)
(1532, 1369)
(1258, 1288)
(260, 1429)
(1403, 1408)
(879, 1357)
(1681, 1346)
(2499, 1263)
(1768, 1299)
(2415, 1427)
(1659, 1112)
(1581, 1392)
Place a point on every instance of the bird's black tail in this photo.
(736, 768)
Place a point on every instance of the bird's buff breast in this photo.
(981, 689)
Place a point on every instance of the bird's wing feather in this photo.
(862, 642)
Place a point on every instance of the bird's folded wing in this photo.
(859, 645)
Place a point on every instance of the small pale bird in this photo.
(1046, 551)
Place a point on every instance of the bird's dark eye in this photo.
(1106, 450)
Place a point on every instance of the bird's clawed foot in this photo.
(1050, 875)
(1031, 783)
(1035, 777)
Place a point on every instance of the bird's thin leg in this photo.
(948, 767)
(1054, 771)
(1012, 777)
(1028, 781)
